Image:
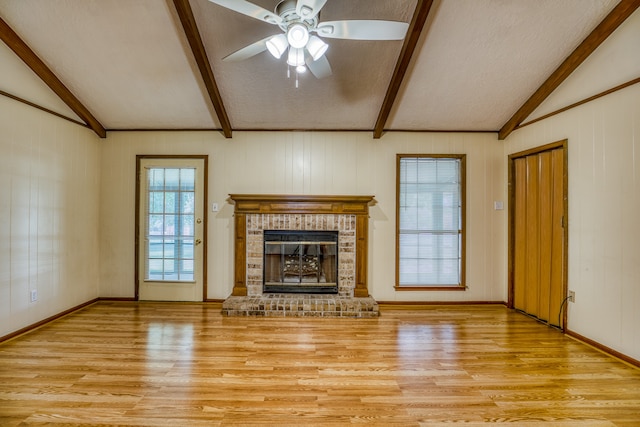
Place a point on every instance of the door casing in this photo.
(563, 145)
(139, 158)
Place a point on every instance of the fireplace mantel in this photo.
(265, 204)
(269, 203)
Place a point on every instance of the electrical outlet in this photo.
(34, 295)
(572, 296)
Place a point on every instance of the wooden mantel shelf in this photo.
(278, 203)
(248, 204)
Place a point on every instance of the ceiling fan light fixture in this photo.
(316, 47)
(298, 36)
(296, 57)
(277, 45)
(301, 69)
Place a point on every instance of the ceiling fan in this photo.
(300, 22)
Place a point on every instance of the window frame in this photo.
(462, 231)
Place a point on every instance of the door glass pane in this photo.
(170, 202)
(187, 179)
(155, 224)
(170, 223)
(187, 202)
(156, 201)
(156, 179)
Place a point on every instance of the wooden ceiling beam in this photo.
(185, 13)
(410, 42)
(609, 24)
(28, 56)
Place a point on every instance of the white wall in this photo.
(604, 212)
(604, 189)
(49, 197)
(307, 163)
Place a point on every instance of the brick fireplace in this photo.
(255, 214)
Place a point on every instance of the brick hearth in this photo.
(300, 305)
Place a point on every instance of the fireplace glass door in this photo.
(300, 261)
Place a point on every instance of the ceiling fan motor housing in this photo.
(286, 9)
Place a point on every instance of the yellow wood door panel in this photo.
(532, 238)
(557, 291)
(545, 181)
(520, 256)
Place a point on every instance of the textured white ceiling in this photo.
(125, 60)
(476, 63)
(603, 70)
(480, 61)
(257, 92)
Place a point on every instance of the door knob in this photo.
(198, 241)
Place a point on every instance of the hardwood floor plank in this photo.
(163, 364)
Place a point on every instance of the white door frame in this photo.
(201, 228)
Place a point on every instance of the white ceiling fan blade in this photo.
(308, 9)
(248, 51)
(250, 9)
(363, 30)
(319, 68)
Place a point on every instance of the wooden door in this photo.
(538, 260)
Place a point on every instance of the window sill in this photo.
(430, 288)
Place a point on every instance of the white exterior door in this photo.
(171, 229)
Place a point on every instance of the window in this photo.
(170, 221)
(430, 222)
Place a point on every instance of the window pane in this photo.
(427, 171)
(447, 171)
(187, 225)
(186, 249)
(187, 204)
(155, 269)
(409, 219)
(408, 246)
(429, 221)
(156, 225)
(170, 202)
(156, 202)
(428, 245)
(169, 249)
(156, 179)
(187, 179)
(154, 248)
(187, 266)
(169, 265)
(169, 225)
(409, 272)
(171, 210)
(171, 179)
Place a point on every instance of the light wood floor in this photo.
(163, 364)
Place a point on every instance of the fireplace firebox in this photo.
(300, 261)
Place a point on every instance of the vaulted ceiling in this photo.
(465, 65)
